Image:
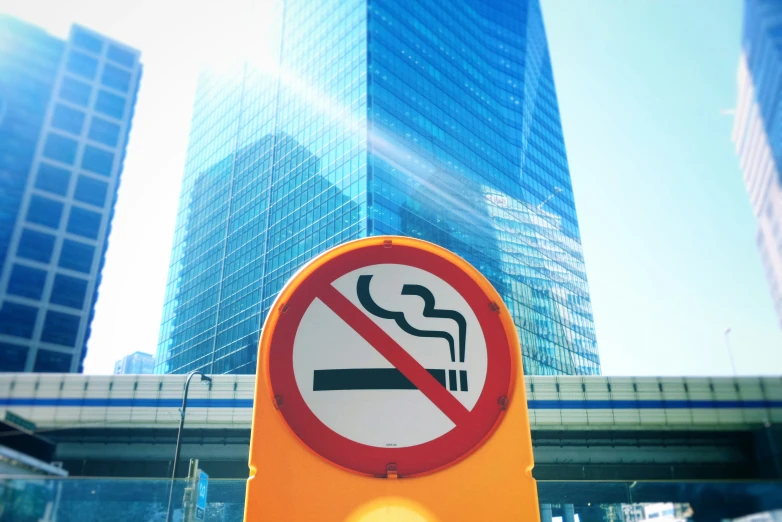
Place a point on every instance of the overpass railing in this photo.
(53, 401)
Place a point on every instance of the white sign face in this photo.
(359, 393)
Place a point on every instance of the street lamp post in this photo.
(204, 379)
(730, 350)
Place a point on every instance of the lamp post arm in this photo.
(179, 440)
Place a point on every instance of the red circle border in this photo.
(438, 453)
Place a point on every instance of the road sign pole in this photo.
(191, 493)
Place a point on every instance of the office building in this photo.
(65, 113)
(345, 119)
(757, 132)
(135, 363)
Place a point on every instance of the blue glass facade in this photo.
(757, 132)
(762, 50)
(137, 363)
(429, 119)
(25, 87)
(61, 156)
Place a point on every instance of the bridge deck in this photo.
(584, 428)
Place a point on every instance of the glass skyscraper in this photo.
(135, 364)
(757, 132)
(437, 120)
(65, 113)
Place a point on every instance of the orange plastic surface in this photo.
(289, 482)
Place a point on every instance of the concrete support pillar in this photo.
(545, 513)
(568, 513)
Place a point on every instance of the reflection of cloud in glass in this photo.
(519, 247)
(219, 296)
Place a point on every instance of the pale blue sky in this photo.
(667, 228)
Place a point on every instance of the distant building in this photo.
(757, 131)
(435, 120)
(659, 512)
(135, 363)
(65, 113)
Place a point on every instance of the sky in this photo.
(667, 228)
(645, 90)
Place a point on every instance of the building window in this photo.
(60, 148)
(115, 78)
(60, 328)
(75, 91)
(91, 191)
(44, 211)
(121, 56)
(110, 104)
(26, 282)
(17, 319)
(12, 357)
(52, 179)
(67, 119)
(104, 131)
(83, 39)
(49, 361)
(76, 256)
(97, 160)
(84, 222)
(35, 245)
(81, 64)
(68, 291)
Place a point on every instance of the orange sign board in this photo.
(390, 387)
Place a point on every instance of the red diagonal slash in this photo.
(395, 354)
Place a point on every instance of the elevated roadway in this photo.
(586, 429)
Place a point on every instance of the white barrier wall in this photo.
(57, 401)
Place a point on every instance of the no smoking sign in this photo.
(389, 357)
